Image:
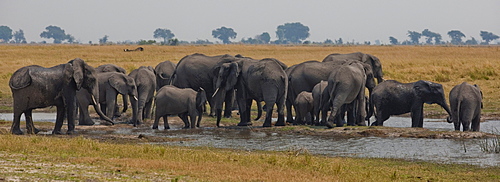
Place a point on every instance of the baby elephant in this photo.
(304, 108)
(182, 101)
(466, 104)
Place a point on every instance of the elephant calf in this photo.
(182, 101)
(466, 104)
(304, 108)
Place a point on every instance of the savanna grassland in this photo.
(79, 158)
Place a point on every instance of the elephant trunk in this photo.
(97, 108)
(445, 106)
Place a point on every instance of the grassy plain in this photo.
(68, 158)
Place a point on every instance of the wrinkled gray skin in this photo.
(145, 80)
(113, 83)
(346, 85)
(200, 71)
(373, 61)
(38, 87)
(317, 93)
(181, 101)
(84, 99)
(259, 80)
(466, 104)
(394, 98)
(164, 72)
(304, 108)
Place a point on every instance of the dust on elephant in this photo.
(164, 72)
(466, 104)
(304, 104)
(393, 98)
(182, 101)
(145, 81)
(113, 83)
(259, 80)
(38, 87)
(200, 71)
(373, 61)
(346, 85)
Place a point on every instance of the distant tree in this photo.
(339, 42)
(146, 42)
(414, 37)
(264, 38)
(431, 35)
(5, 33)
(103, 40)
(199, 41)
(173, 42)
(393, 40)
(19, 37)
(166, 34)
(437, 39)
(224, 34)
(456, 36)
(56, 33)
(472, 41)
(488, 36)
(293, 32)
(70, 38)
(328, 41)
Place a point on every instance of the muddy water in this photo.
(435, 150)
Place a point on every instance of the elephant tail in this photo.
(259, 110)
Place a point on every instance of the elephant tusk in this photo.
(135, 98)
(215, 92)
(93, 99)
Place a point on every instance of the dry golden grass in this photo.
(446, 65)
(131, 162)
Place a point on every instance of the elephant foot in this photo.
(266, 124)
(280, 123)
(289, 120)
(57, 132)
(155, 127)
(329, 124)
(17, 132)
(167, 127)
(70, 132)
(228, 116)
(245, 124)
(86, 123)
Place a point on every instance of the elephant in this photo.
(200, 71)
(110, 68)
(466, 104)
(373, 61)
(346, 85)
(259, 80)
(113, 83)
(145, 81)
(393, 98)
(182, 101)
(164, 71)
(38, 87)
(317, 94)
(304, 108)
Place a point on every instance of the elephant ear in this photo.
(201, 98)
(78, 71)
(20, 79)
(118, 82)
(421, 87)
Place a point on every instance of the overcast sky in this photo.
(361, 20)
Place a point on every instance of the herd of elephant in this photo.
(336, 85)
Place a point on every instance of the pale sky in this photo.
(189, 20)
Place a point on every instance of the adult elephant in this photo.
(110, 68)
(111, 84)
(393, 98)
(346, 85)
(373, 61)
(164, 72)
(259, 80)
(466, 104)
(145, 80)
(200, 71)
(37, 87)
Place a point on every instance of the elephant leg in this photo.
(228, 104)
(245, 112)
(30, 126)
(155, 123)
(104, 109)
(70, 111)
(269, 114)
(184, 118)
(16, 128)
(351, 114)
(147, 109)
(475, 123)
(417, 118)
(110, 104)
(61, 111)
(165, 122)
(337, 103)
(466, 119)
(84, 116)
(289, 116)
(380, 117)
(192, 118)
(457, 124)
(360, 110)
(117, 111)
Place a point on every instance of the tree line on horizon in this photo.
(288, 33)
